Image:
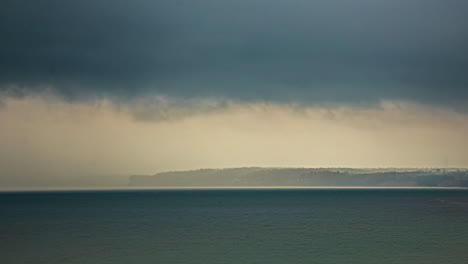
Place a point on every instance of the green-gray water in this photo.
(236, 226)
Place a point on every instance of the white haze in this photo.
(46, 142)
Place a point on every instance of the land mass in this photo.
(255, 176)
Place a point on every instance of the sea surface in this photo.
(333, 226)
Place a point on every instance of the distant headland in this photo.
(306, 177)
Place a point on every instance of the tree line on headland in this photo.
(255, 176)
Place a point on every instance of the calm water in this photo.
(235, 226)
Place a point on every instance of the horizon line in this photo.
(214, 188)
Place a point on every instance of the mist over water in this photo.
(46, 142)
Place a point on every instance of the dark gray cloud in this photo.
(310, 51)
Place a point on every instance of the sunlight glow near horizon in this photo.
(76, 142)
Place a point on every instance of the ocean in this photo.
(330, 226)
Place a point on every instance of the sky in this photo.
(94, 91)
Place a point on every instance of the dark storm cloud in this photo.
(311, 51)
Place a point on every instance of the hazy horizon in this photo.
(124, 182)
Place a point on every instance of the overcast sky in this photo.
(93, 88)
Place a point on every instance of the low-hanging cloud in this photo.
(249, 50)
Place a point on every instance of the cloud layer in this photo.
(286, 51)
